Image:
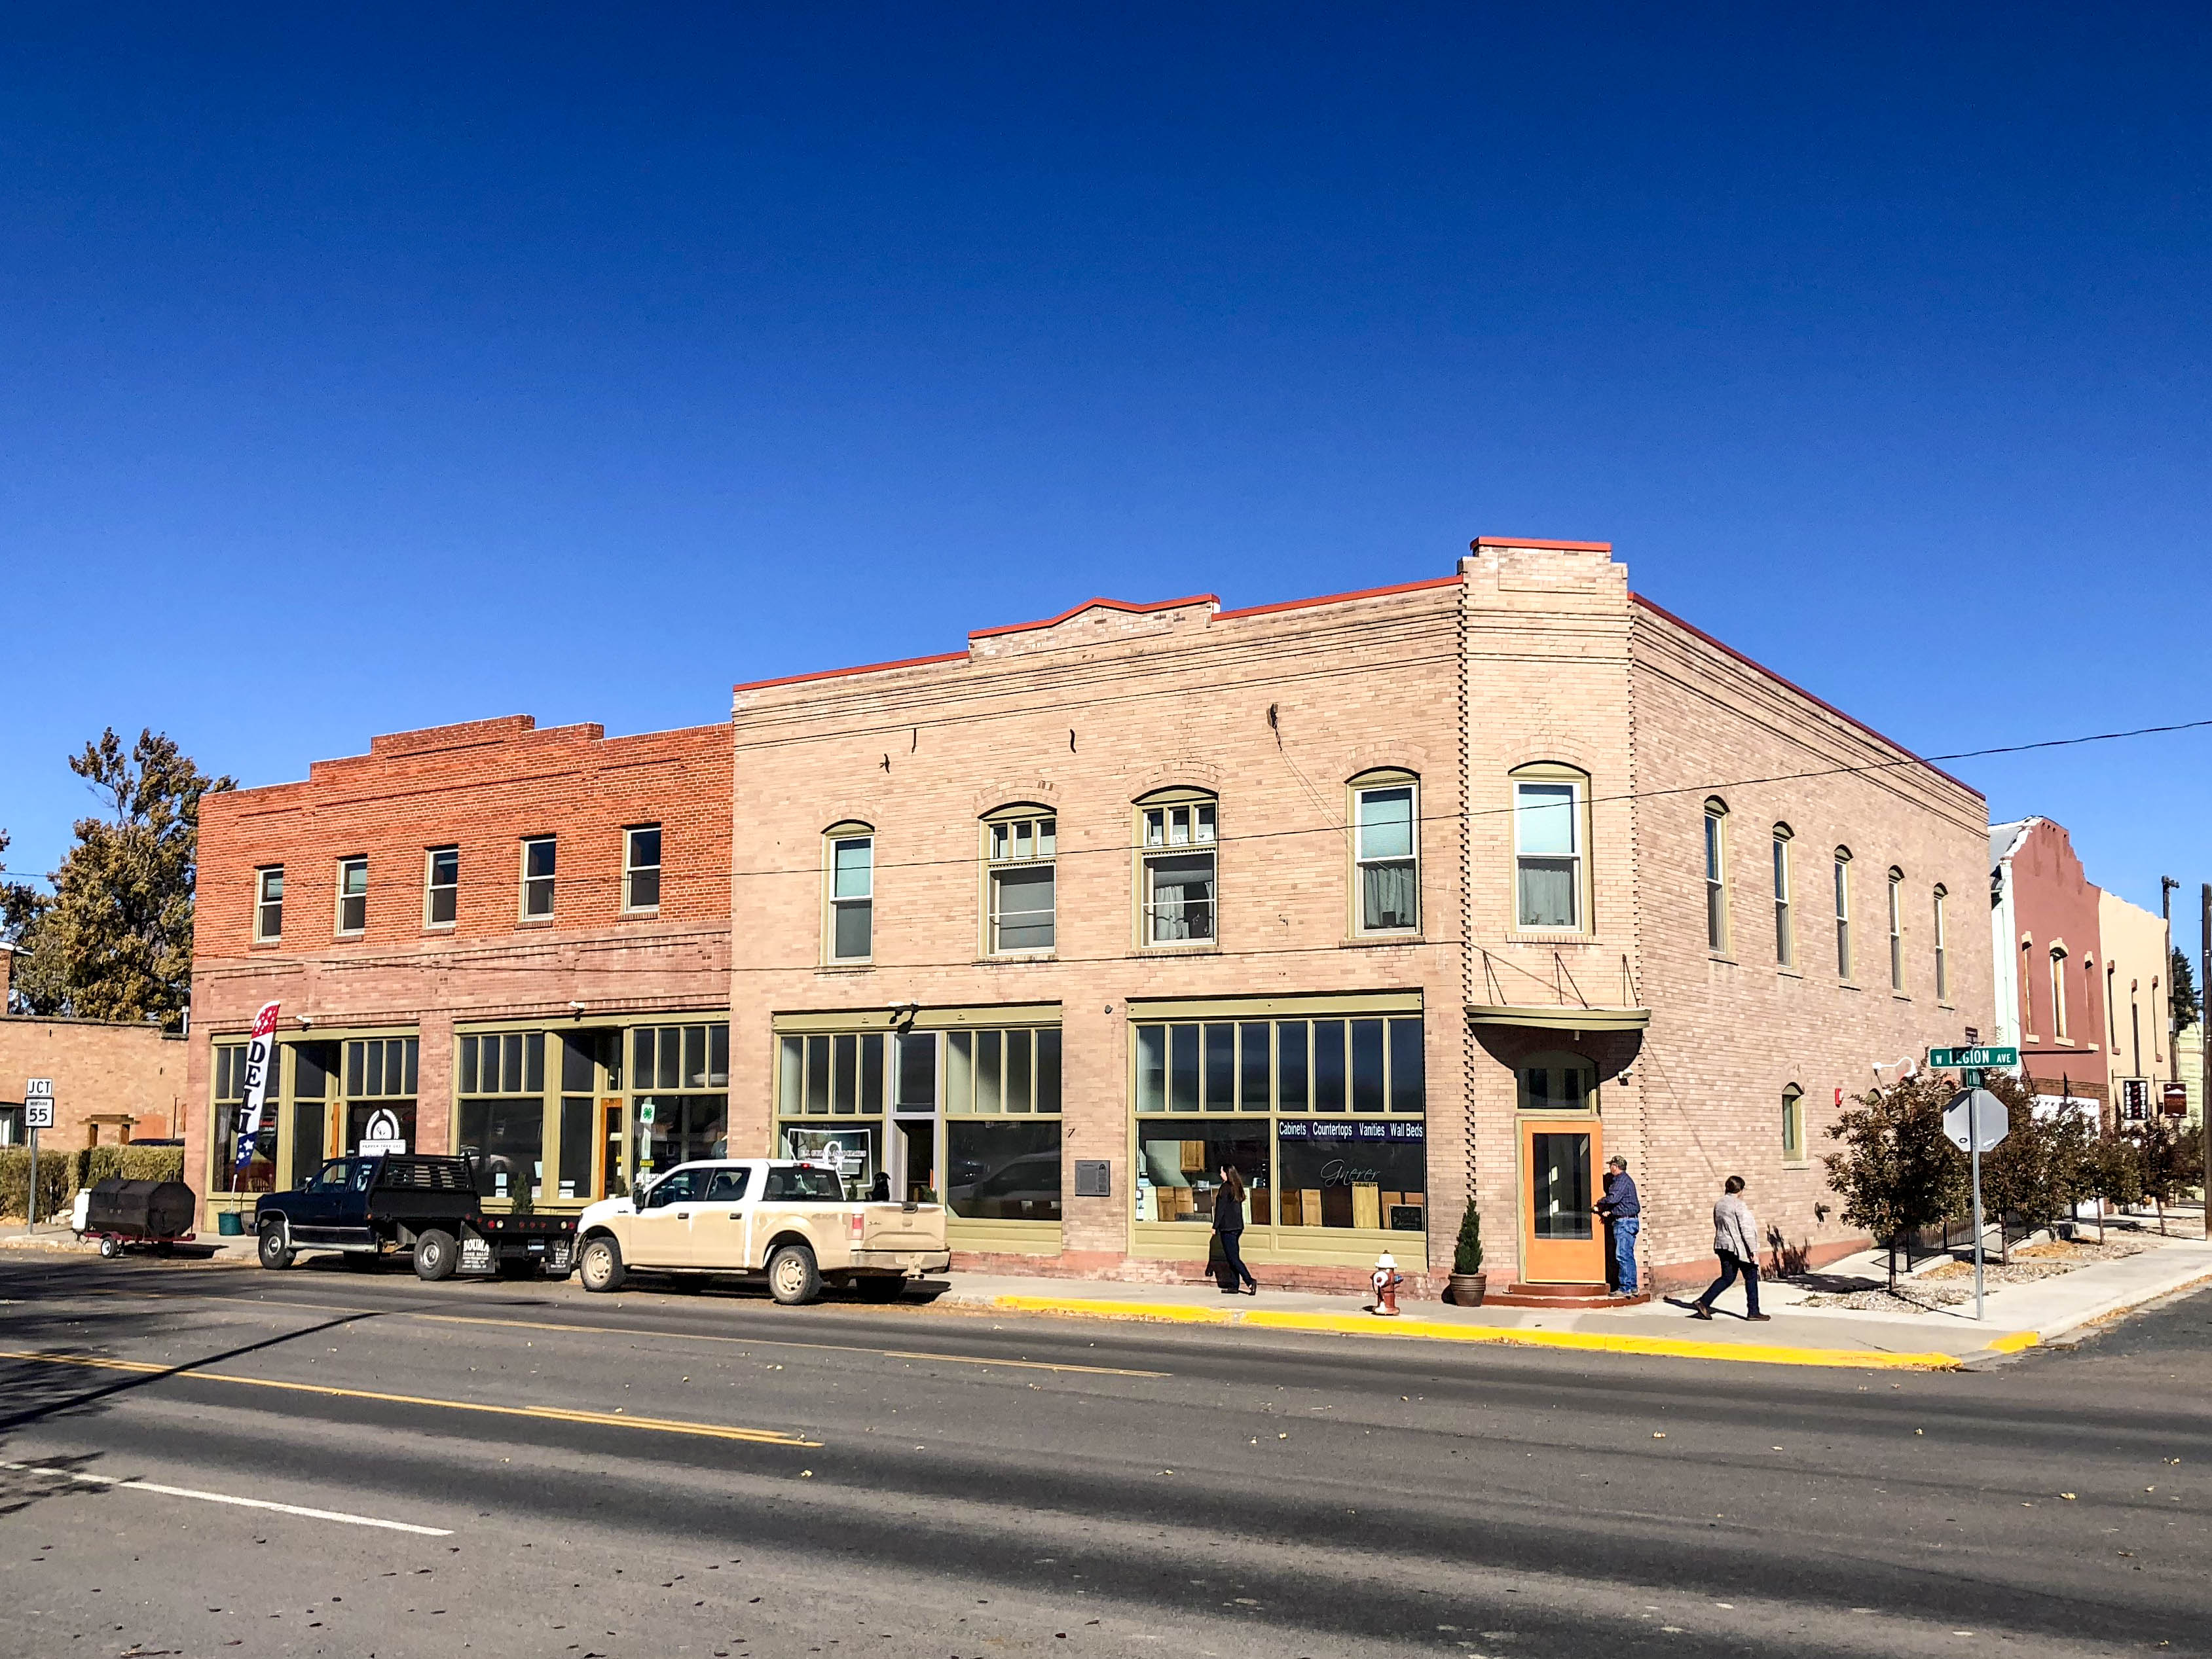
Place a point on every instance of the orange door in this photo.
(1562, 1241)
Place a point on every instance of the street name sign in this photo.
(1976, 1114)
(1958, 1059)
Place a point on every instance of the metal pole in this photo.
(32, 1224)
(1974, 1142)
(2204, 1052)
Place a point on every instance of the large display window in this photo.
(958, 1106)
(1319, 1103)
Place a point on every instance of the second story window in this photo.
(1843, 913)
(1716, 916)
(537, 868)
(1020, 846)
(1896, 930)
(852, 893)
(2058, 1021)
(1548, 850)
(1942, 963)
(641, 867)
(442, 886)
(1785, 945)
(268, 902)
(1386, 855)
(1177, 839)
(353, 894)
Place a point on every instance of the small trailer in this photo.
(126, 1215)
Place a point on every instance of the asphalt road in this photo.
(706, 1473)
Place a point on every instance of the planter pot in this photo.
(1467, 1289)
(228, 1224)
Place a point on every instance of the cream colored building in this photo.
(2134, 950)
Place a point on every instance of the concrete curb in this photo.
(1666, 1347)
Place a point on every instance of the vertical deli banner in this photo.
(258, 1052)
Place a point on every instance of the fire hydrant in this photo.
(1385, 1279)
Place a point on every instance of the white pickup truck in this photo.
(787, 1219)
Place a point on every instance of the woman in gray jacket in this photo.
(1735, 1241)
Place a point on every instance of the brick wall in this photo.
(97, 1070)
(483, 787)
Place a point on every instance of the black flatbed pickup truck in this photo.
(409, 1201)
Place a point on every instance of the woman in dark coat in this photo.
(1229, 1224)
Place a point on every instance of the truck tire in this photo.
(880, 1287)
(275, 1251)
(792, 1277)
(436, 1255)
(601, 1265)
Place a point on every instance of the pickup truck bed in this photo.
(430, 1206)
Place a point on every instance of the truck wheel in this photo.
(792, 1277)
(601, 1266)
(436, 1254)
(275, 1253)
(880, 1287)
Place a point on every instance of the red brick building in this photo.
(1397, 900)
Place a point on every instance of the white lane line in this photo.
(225, 1498)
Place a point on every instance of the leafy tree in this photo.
(1896, 1171)
(119, 928)
(2116, 1171)
(2035, 1172)
(2182, 991)
(20, 906)
(2168, 1160)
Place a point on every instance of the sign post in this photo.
(37, 1114)
(1976, 1121)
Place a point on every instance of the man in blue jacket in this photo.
(1623, 1213)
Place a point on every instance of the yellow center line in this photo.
(546, 1413)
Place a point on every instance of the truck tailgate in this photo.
(894, 1227)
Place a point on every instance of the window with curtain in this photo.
(1177, 837)
(1548, 848)
(852, 920)
(1386, 855)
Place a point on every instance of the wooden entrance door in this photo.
(1562, 1240)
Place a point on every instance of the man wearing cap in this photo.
(1623, 1213)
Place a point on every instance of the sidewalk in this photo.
(2019, 1316)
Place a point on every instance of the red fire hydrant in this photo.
(1386, 1280)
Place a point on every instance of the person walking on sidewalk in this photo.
(1229, 1227)
(1623, 1213)
(1735, 1241)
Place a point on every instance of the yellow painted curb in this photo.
(2017, 1341)
(1665, 1347)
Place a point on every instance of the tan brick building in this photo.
(112, 1083)
(1390, 899)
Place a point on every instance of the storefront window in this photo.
(259, 1175)
(1322, 1117)
(874, 1104)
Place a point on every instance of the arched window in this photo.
(1557, 1081)
(1793, 1124)
(1177, 837)
(1785, 944)
(2028, 985)
(1716, 851)
(1021, 843)
(2058, 992)
(1896, 928)
(848, 865)
(1386, 852)
(1551, 807)
(1843, 913)
(1942, 963)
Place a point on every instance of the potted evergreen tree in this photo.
(1468, 1281)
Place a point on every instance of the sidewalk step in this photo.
(1562, 1295)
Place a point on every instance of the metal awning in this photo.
(1551, 1015)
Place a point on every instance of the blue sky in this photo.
(368, 368)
